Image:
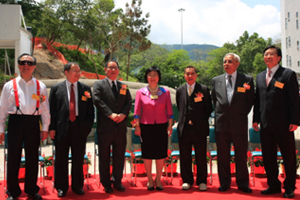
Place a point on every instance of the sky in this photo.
(212, 22)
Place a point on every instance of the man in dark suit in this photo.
(113, 101)
(72, 116)
(276, 109)
(194, 106)
(233, 96)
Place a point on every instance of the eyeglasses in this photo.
(270, 54)
(112, 68)
(76, 71)
(26, 62)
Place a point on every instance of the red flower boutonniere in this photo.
(42, 98)
(87, 94)
(124, 87)
(199, 94)
(246, 86)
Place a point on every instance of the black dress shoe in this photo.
(35, 196)
(108, 189)
(245, 189)
(60, 193)
(120, 188)
(271, 191)
(288, 194)
(12, 198)
(79, 192)
(160, 188)
(224, 188)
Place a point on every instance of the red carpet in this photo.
(172, 192)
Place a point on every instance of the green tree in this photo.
(136, 30)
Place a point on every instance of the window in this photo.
(298, 63)
(287, 60)
(286, 23)
(296, 14)
(290, 61)
(289, 41)
(288, 16)
(298, 45)
(297, 24)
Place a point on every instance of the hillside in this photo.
(196, 51)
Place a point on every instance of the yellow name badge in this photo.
(279, 85)
(154, 97)
(197, 99)
(241, 89)
(35, 97)
(83, 98)
(123, 91)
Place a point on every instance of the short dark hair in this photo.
(105, 66)
(27, 54)
(278, 50)
(190, 66)
(68, 66)
(150, 69)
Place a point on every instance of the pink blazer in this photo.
(151, 111)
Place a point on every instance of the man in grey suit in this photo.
(113, 101)
(276, 109)
(233, 96)
(72, 116)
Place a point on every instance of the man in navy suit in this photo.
(113, 101)
(72, 117)
(233, 95)
(276, 109)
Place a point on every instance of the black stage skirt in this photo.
(155, 141)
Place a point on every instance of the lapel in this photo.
(223, 92)
(80, 94)
(65, 93)
(274, 78)
(185, 95)
(119, 88)
(108, 86)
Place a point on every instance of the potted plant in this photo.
(48, 160)
(138, 164)
(86, 164)
(21, 175)
(168, 168)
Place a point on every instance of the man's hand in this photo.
(52, 134)
(255, 126)
(293, 127)
(114, 117)
(2, 136)
(121, 117)
(44, 135)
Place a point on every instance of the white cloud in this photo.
(207, 22)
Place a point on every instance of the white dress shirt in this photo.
(27, 103)
(75, 92)
(273, 71)
(188, 86)
(110, 82)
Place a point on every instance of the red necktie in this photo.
(268, 77)
(72, 105)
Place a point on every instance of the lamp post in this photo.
(181, 10)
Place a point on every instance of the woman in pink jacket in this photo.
(154, 115)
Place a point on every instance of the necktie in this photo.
(190, 90)
(114, 89)
(229, 80)
(229, 89)
(72, 104)
(268, 77)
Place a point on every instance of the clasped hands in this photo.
(292, 127)
(117, 117)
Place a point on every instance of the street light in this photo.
(181, 10)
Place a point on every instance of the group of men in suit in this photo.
(276, 109)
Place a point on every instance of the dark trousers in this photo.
(285, 140)
(189, 137)
(118, 142)
(240, 143)
(23, 129)
(74, 140)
